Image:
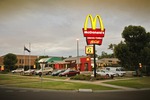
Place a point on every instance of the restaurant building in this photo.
(82, 63)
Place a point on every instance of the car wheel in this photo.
(31, 73)
(49, 73)
(21, 73)
(40, 74)
(118, 75)
(66, 75)
(112, 76)
(77, 74)
(107, 75)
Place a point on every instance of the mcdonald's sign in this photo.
(94, 35)
(94, 41)
(89, 50)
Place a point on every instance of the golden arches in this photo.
(93, 22)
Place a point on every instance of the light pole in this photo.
(77, 47)
(42, 64)
(77, 54)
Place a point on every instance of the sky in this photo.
(52, 27)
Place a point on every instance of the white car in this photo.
(18, 70)
(118, 70)
(46, 71)
(29, 72)
(105, 73)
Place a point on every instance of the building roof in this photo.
(52, 59)
(58, 62)
(77, 59)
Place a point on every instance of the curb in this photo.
(85, 90)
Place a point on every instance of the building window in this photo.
(109, 60)
(20, 61)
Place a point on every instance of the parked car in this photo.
(69, 72)
(45, 71)
(18, 70)
(56, 73)
(118, 70)
(105, 73)
(29, 72)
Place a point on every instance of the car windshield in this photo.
(19, 68)
(66, 70)
(59, 71)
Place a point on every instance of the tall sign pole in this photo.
(94, 36)
(94, 60)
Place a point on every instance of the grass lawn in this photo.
(137, 82)
(6, 79)
(35, 82)
(60, 85)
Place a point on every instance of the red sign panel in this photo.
(93, 33)
(94, 38)
(94, 41)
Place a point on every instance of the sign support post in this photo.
(94, 60)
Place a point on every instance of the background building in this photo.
(23, 61)
(107, 62)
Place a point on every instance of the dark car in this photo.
(68, 73)
(56, 73)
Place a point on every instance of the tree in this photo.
(9, 61)
(105, 55)
(111, 46)
(135, 48)
(122, 53)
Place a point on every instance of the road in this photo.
(35, 94)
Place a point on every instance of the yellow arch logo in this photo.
(93, 22)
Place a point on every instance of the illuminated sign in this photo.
(2, 68)
(93, 35)
(87, 59)
(89, 50)
(93, 22)
(94, 41)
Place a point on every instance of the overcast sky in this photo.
(52, 26)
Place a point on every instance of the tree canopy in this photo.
(136, 47)
(9, 61)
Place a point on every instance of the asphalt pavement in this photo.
(9, 93)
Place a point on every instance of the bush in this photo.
(89, 77)
(81, 77)
(4, 72)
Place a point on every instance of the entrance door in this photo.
(86, 67)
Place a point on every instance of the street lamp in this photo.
(77, 47)
(42, 64)
(77, 53)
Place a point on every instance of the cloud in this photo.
(54, 25)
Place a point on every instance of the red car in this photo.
(68, 73)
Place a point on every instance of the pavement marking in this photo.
(22, 91)
(9, 91)
(85, 90)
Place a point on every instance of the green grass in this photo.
(55, 77)
(14, 79)
(35, 82)
(59, 85)
(138, 82)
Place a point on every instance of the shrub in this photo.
(89, 77)
(81, 77)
